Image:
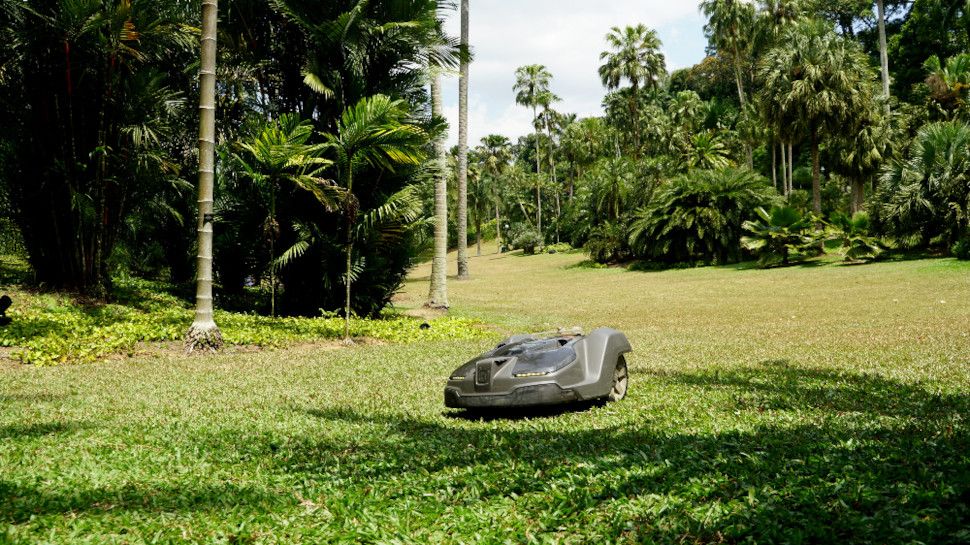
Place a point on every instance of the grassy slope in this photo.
(811, 404)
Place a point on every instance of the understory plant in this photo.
(698, 218)
(853, 235)
(780, 237)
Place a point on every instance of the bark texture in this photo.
(204, 334)
(463, 151)
(438, 294)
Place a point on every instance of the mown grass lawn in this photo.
(816, 404)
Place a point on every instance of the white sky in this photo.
(565, 35)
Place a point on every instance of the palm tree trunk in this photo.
(816, 175)
(349, 213)
(463, 151)
(791, 168)
(858, 195)
(498, 226)
(204, 334)
(438, 294)
(784, 170)
(774, 165)
(535, 123)
(883, 51)
(555, 178)
(478, 230)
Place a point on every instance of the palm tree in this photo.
(729, 27)
(375, 132)
(634, 56)
(438, 294)
(495, 153)
(463, 150)
(204, 333)
(280, 154)
(531, 85)
(547, 118)
(820, 82)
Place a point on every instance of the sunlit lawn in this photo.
(815, 404)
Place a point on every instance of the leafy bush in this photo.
(52, 330)
(527, 241)
(699, 217)
(558, 248)
(961, 250)
(925, 198)
(853, 235)
(781, 236)
(608, 243)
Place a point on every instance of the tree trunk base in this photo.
(434, 305)
(204, 337)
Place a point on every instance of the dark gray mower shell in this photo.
(526, 371)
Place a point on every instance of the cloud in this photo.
(565, 35)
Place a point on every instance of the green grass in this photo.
(818, 404)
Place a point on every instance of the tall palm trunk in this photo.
(438, 295)
(883, 51)
(498, 225)
(463, 150)
(791, 168)
(555, 178)
(774, 165)
(816, 176)
(204, 334)
(351, 211)
(784, 170)
(535, 123)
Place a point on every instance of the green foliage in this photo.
(926, 195)
(697, 218)
(527, 241)
(607, 243)
(781, 237)
(853, 234)
(54, 330)
(559, 248)
(961, 250)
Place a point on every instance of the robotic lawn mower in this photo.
(533, 370)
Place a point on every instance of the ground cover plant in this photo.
(810, 404)
(49, 329)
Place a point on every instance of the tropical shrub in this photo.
(607, 243)
(923, 200)
(853, 235)
(527, 241)
(961, 250)
(698, 218)
(780, 237)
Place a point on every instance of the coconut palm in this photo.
(634, 56)
(204, 333)
(280, 154)
(531, 88)
(375, 132)
(818, 81)
(463, 150)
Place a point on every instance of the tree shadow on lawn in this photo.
(868, 459)
(825, 457)
(23, 431)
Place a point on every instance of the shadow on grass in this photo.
(821, 457)
(25, 431)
